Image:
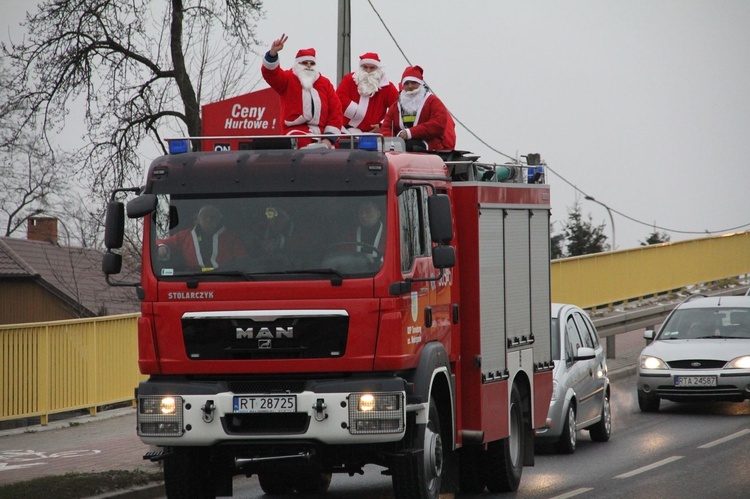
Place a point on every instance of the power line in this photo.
(398, 46)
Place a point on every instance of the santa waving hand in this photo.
(309, 104)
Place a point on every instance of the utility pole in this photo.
(611, 218)
(344, 46)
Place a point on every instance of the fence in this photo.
(61, 366)
(52, 367)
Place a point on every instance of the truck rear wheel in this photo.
(187, 473)
(421, 477)
(503, 461)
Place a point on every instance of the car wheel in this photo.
(648, 403)
(567, 442)
(601, 431)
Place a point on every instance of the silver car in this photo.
(580, 391)
(702, 352)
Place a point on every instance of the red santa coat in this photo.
(433, 124)
(315, 111)
(225, 247)
(364, 112)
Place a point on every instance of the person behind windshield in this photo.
(206, 246)
(370, 232)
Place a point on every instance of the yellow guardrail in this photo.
(53, 367)
(60, 366)
(603, 279)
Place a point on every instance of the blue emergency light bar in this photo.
(178, 146)
(368, 142)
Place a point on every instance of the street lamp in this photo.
(611, 218)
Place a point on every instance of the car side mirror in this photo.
(648, 334)
(585, 353)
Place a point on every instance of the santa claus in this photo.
(309, 104)
(366, 94)
(419, 117)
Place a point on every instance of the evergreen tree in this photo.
(582, 237)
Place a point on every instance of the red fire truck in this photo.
(284, 345)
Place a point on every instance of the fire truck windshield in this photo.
(308, 236)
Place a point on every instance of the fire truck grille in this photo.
(282, 338)
(263, 424)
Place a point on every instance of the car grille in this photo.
(697, 364)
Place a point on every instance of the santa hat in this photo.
(370, 58)
(413, 73)
(305, 55)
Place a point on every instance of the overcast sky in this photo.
(641, 104)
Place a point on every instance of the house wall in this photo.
(24, 300)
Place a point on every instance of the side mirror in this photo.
(439, 210)
(114, 225)
(111, 263)
(648, 335)
(443, 257)
(585, 353)
(143, 205)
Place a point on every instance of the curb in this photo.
(152, 491)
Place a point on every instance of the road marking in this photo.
(725, 439)
(8, 467)
(573, 493)
(650, 467)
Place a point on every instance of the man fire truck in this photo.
(427, 353)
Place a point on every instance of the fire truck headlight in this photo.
(372, 413)
(160, 416)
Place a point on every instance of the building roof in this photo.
(73, 274)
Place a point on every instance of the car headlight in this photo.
(649, 362)
(739, 363)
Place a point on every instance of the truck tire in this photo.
(503, 461)
(421, 478)
(312, 482)
(187, 473)
(470, 471)
(275, 484)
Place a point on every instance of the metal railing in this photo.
(61, 366)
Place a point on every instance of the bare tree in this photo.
(138, 67)
(32, 179)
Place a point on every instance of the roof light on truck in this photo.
(178, 146)
(368, 142)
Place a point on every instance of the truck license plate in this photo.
(694, 381)
(265, 403)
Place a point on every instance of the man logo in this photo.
(264, 344)
(264, 333)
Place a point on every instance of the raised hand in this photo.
(278, 45)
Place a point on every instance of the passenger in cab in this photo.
(309, 104)
(365, 95)
(206, 246)
(419, 117)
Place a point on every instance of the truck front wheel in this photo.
(187, 473)
(503, 461)
(421, 477)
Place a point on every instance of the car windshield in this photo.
(257, 238)
(707, 323)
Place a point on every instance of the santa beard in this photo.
(307, 76)
(368, 83)
(411, 100)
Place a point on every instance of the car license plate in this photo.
(684, 381)
(265, 403)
